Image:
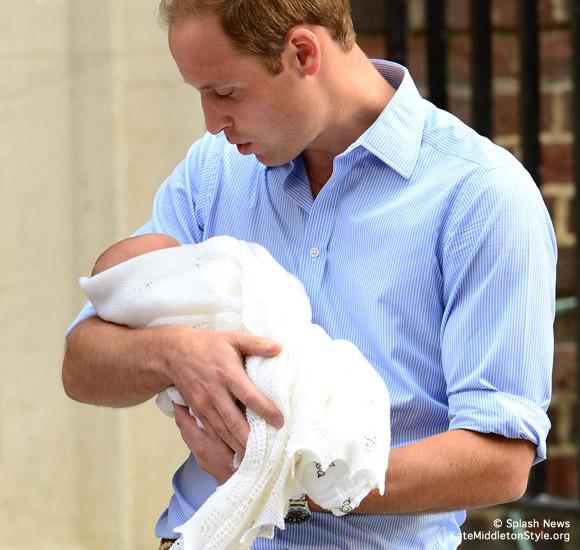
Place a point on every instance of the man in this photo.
(419, 241)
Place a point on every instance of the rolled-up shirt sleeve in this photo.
(499, 289)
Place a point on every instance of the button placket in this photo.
(317, 237)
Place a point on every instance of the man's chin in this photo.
(271, 162)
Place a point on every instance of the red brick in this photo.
(459, 103)
(566, 280)
(506, 114)
(505, 55)
(457, 15)
(556, 111)
(374, 47)
(553, 435)
(557, 163)
(547, 122)
(565, 286)
(572, 216)
(561, 212)
(565, 358)
(567, 99)
(566, 259)
(504, 52)
(459, 58)
(561, 476)
(545, 11)
(550, 201)
(504, 14)
(417, 58)
(562, 414)
(555, 53)
(548, 16)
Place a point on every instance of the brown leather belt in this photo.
(166, 544)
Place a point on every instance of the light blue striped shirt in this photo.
(430, 248)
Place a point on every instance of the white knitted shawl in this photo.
(334, 444)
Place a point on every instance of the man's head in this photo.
(260, 27)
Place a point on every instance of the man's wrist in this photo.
(313, 506)
(168, 350)
(298, 510)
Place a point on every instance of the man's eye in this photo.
(224, 95)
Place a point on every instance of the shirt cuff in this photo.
(500, 413)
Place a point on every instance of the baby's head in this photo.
(132, 247)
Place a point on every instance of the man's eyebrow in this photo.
(210, 86)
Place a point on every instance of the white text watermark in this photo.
(534, 530)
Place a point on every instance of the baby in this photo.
(334, 446)
(130, 248)
(124, 250)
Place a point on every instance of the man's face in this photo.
(263, 114)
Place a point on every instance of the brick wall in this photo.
(556, 171)
(556, 94)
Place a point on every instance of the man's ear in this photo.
(302, 49)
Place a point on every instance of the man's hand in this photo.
(207, 367)
(111, 365)
(210, 451)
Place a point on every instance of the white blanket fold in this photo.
(334, 444)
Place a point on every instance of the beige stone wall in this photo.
(93, 117)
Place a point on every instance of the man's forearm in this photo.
(116, 366)
(454, 470)
(112, 365)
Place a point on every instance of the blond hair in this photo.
(259, 27)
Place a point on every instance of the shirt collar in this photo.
(395, 137)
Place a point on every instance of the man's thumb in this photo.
(249, 344)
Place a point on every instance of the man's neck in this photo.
(359, 95)
(318, 175)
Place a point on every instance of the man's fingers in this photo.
(217, 406)
(216, 378)
(247, 393)
(230, 425)
(211, 453)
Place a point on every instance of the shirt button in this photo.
(314, 252)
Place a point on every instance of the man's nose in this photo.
(216, 118)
